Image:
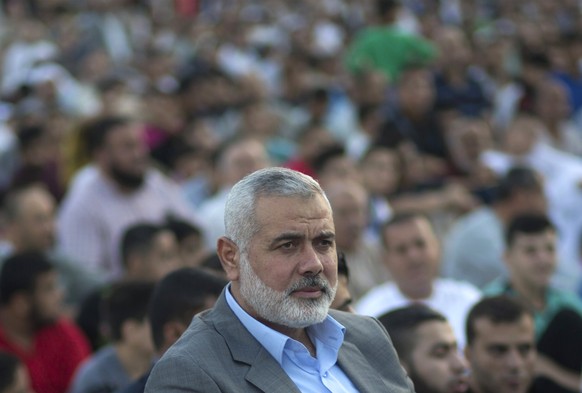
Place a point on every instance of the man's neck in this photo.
(134, 363)
(417, 294)
(534, 295)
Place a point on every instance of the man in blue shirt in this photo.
(272, 330)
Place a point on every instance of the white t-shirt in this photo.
(451, 298)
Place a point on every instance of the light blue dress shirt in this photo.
(311, 375)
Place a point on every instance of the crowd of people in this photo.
(446, 135)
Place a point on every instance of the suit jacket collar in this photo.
(264, 371)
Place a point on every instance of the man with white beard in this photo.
(272, 329)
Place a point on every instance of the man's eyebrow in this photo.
(288, 236)
(326, 235)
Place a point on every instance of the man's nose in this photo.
(310, 263)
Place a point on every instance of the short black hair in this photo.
(498, 309)
(402, 324)
(182, 229)
(384, 6)
(398, 219)
(529, 224)
(96, 131)
(29, 134)
(326, 155)
(138, 238)
(8, 366)
(20, 273)
(519, 179)
(125, 301)
(179, 296)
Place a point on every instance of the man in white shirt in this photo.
(412, 255)
(118, 191)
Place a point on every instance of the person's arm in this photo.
(565, 378)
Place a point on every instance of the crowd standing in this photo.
(446, 134)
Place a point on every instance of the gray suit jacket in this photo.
(218, 354)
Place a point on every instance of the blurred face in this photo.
(192, 250)
(469, 138)
(380, 172)
(412, 256)
(163, 257)
(340, 167)
(138, 335)
(435, 365)
(343, 298)
(532, 259)
(521, 136)
(502, 356)
(243, 159)
(350, 213)
(317, 141)
(416, 91)
(34, 227)
(553, 104)
(125, 157)
(289, 275)
(47, 300)
(454, 47)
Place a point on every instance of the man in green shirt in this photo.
(385, 47)
(531, 260)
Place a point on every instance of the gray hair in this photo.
(239, 215)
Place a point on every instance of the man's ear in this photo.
(229, 256)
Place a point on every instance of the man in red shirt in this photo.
(31, 326)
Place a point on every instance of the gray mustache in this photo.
(313, 281)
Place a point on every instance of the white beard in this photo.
(281, 307)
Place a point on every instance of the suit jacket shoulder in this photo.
(218, 354)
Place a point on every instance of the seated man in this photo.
(31, 326)
(176, 299)
(131, 350)
(500, 346)
(272, 328)
(531, 260)
(412, 255)
(343, 298)
(427, 349)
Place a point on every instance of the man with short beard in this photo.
(501, 346)
(31, 326)
(427, 348)
(272, 329)
(118, 189)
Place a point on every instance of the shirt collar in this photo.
(326, 336)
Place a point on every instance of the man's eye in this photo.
(287, 246)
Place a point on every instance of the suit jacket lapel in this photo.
(264, 371)
(357, 368)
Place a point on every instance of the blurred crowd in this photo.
(124, 124)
